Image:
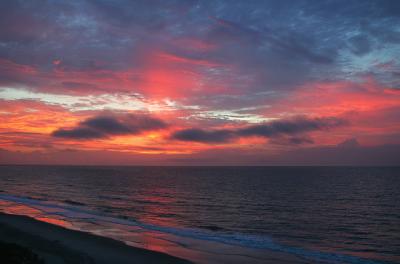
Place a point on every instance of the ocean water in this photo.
(221, 214)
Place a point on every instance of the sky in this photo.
(200, 82)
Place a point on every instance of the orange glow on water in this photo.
(54, 221)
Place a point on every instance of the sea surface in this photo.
(221, 214)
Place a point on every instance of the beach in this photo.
(55, 244)
(38, 242)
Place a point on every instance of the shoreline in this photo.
(56, 244)
(184, 249)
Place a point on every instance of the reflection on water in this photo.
(301, 211)
(21, 209)
(53, 221)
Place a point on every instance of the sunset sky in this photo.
(200, 82)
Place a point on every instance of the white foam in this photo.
(242, 240)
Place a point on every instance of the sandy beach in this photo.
(56, 244)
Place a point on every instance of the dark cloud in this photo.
(200, 135)
(106, 126)
(294, 45)
(19, 24)
(300, 140)
(289, 127)
(272, 129)
(276, 44)
(292, 140)
(360, 45)
(110, 125)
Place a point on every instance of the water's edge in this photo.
(75, 212)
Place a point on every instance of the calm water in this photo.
(325, 214)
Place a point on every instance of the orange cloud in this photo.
(368, 106)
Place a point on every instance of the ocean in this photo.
(221, 214)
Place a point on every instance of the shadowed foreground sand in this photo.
(56, 244)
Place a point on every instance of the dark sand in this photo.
(56, 244)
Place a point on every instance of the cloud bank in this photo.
(272, 129)
(107, 126)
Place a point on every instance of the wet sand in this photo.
(56, 244)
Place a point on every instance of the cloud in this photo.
(360, 45)
(230, 55)
(289, 127)
(204, 136)
(78, 133)
(349, 143)
(292, 140)
(79, 85)
(109, 125)
(272, 129)
(210, 66)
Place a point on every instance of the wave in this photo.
(76, 210)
